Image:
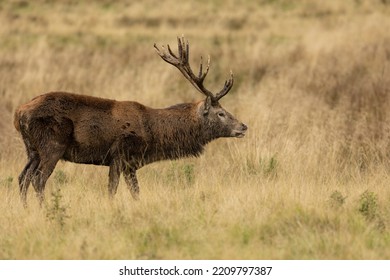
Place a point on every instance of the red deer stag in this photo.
(123, 135)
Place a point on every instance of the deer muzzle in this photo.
(240, 132)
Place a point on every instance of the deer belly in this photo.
(98, 155)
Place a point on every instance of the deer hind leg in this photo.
(51, 150)
(130, 176)
(30, 169)
(49, 160)
(27, 174)
(113, 177)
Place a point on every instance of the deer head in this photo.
(219, 121)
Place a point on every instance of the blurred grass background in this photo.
(309, 181)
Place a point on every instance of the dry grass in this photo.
(310, 180)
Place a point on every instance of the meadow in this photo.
(310, 180)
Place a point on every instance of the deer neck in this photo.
(178, 132)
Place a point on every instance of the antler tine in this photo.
(200, 68)
(207, 68)
(180, 48)
(163, 55)
(187, 53)
(227, 87)
(156, 48)
(171, 52)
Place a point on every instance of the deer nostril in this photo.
(244, 126)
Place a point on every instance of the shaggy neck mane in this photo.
(177, 132)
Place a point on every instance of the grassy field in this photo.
(309, 181)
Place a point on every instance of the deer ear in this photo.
(207, 105)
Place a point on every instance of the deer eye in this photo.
(221, 114)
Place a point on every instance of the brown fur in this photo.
(122, 135)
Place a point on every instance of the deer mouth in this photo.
(241, 132)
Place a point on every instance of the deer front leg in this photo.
(113, 177)
(132, 182)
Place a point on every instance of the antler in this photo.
(181, 62)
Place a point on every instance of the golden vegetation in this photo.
(309, 181)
